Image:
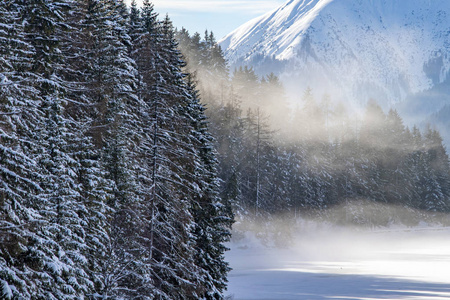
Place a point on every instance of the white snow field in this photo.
(344, 264)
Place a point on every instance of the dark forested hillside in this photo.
(109, 183)
(277, 158)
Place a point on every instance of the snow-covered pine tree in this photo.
(431, 197)
(63, 263)
(109, 89)
(19, 175)
(144, 33)
(372, 140)
(169, 238)
(277, 198)
(435, 173)
(394, 156)
(439, 162)
(213, 216)
(227, 126)
(94, 189)
(246, 84)
(275, 103)
(413, 167)
(206, 63)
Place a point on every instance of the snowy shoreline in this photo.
(397, 263)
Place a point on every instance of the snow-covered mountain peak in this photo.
(357, 49)
(281, 30)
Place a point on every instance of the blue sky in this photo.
(220, 16)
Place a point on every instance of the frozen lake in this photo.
(344, 264)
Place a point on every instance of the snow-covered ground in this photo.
(344, 264)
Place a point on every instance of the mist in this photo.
(325, 261)
(309, 153)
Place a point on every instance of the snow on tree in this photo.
(212, 215)
(19, 174)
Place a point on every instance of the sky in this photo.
(219, 16)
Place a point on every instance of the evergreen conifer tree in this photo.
(19, 175)
(213, 216)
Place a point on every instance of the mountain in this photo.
(353, 50)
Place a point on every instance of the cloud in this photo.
(220, 16)
(244, 6)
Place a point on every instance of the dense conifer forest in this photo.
(108, 173)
